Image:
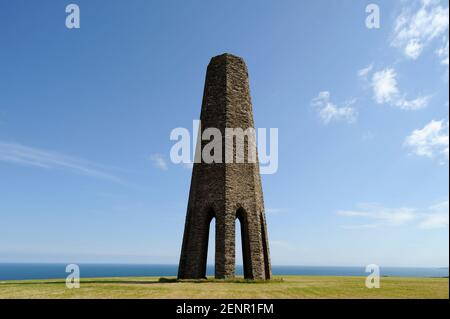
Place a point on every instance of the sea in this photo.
(24, 271)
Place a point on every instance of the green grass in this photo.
(280, 287)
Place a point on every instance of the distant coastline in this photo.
(24, 271)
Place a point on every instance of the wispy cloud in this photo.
(431, 141)
(15, 153)
(442, 53)
(188, 166)
(417, 26)
(159, 161)
(364, 72)
(358, 226)
(275, 210)
(329, 112)
(385, 90)
(282, 244)
(436, 216)
(368, 135)
(385, 215)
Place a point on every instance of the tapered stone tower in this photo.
(225, 191)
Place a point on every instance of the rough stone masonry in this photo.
(225, 191)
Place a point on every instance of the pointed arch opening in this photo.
(238, 258)
(209, 219)
(241, 215)
(211, 258)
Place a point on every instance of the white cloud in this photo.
(363, 73)
(369, 135)
(413, 49)
(329, 112)
(358, 226)
(430, 141)
(397, 216)
(282, 244)
(188, 166)
(384, 84)
(275, 210)
(416, 104)
(159, 161)
(385, 90)
(19, 154)
(415, 28)
(443, 53)
(436, 216)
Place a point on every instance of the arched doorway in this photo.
(209, 216)
(241, 215)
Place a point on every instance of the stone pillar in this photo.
(226, 191)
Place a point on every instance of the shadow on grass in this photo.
(230, 280)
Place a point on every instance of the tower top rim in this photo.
(227, 57)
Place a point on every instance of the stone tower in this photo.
(225, 191)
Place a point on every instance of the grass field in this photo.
(280, 287)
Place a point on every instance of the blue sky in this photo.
(362, 114)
